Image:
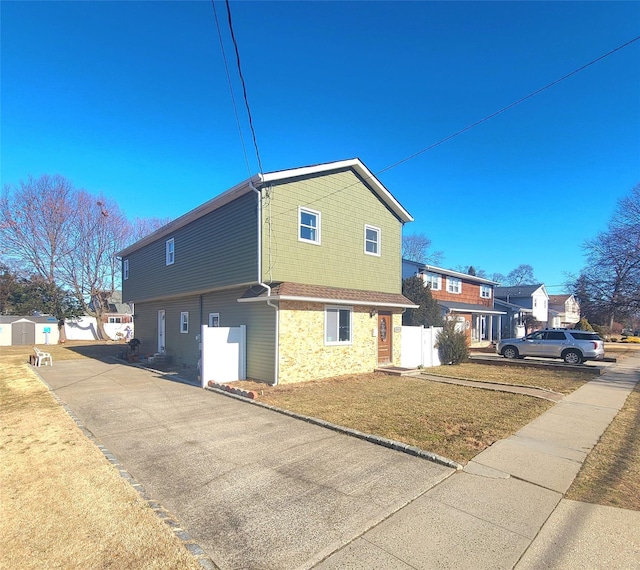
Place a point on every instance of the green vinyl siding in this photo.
(346, 204)
(260, 320)
(184, 349)
(219, 249)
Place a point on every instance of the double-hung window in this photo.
(184, 322)
(125, 269)
(169, 252)
(308, 226)
(214, 319)
(371, 240)
(485, 291)
(454, 285)
(433, 280)
(338, 325)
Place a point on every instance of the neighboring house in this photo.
(513, 323)
(469, 299)
(532, 297)
(564, 311)
(118, 312)
(308, 259)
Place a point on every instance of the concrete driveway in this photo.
(256, 489)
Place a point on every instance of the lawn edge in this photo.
(378, 440)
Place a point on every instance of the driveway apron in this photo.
(256, 489)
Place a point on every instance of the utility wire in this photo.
(233, 98)
(508, 106)
(244, 87)
(471, 126)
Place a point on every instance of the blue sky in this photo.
(131, 99)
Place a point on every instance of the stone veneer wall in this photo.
(304, 356)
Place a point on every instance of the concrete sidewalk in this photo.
(505, 510)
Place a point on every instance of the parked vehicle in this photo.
(573, 346)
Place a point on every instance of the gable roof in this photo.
(433, 269)
(259, 180)
(517, 290)
(559, 299)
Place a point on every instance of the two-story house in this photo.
(564, 311)
(531, 302)
(308, 259)
(467, 298)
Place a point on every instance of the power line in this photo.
(475, 124)
(233, 98)
(508, 106)
(244, 87)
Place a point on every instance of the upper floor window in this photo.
(115, 319)
(309, 226)
(125, 269)
(371, 240)
(214, 319)
(454, 285)
(169, 252)
(434, 280)
(337, 325)
(485, 291)
(184, 322)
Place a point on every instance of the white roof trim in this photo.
(449, 272)
(259, 180)
(359, 167)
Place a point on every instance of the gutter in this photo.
(267, 287)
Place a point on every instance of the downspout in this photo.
(267, 287)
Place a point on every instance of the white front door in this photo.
(161, 331)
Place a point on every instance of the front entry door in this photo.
(384, 338)
(161, 332)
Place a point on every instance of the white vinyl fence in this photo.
(418, 347)
(224, 354)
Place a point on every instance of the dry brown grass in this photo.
(71, 350)
(611, 473)
(453, 421)
(63, 505)
(561, 381)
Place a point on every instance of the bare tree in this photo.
(610, 283)
(34, 223)
(521, 275)
(69, 238)
(416, 247)
(91, 271)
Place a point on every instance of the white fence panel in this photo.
(224, 354)
(418, 347)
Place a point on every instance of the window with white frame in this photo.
(485, 291)
(214, 319)
(125, 269)
(337, 325)
(169, 252)
(371, 240)
(434, 280)
(184, 322)
(454, 285)
(308, 226)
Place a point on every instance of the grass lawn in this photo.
(611, 473)
(453, 421)
(63, 505)
(561, 381)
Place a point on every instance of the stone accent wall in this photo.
(304, 356)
